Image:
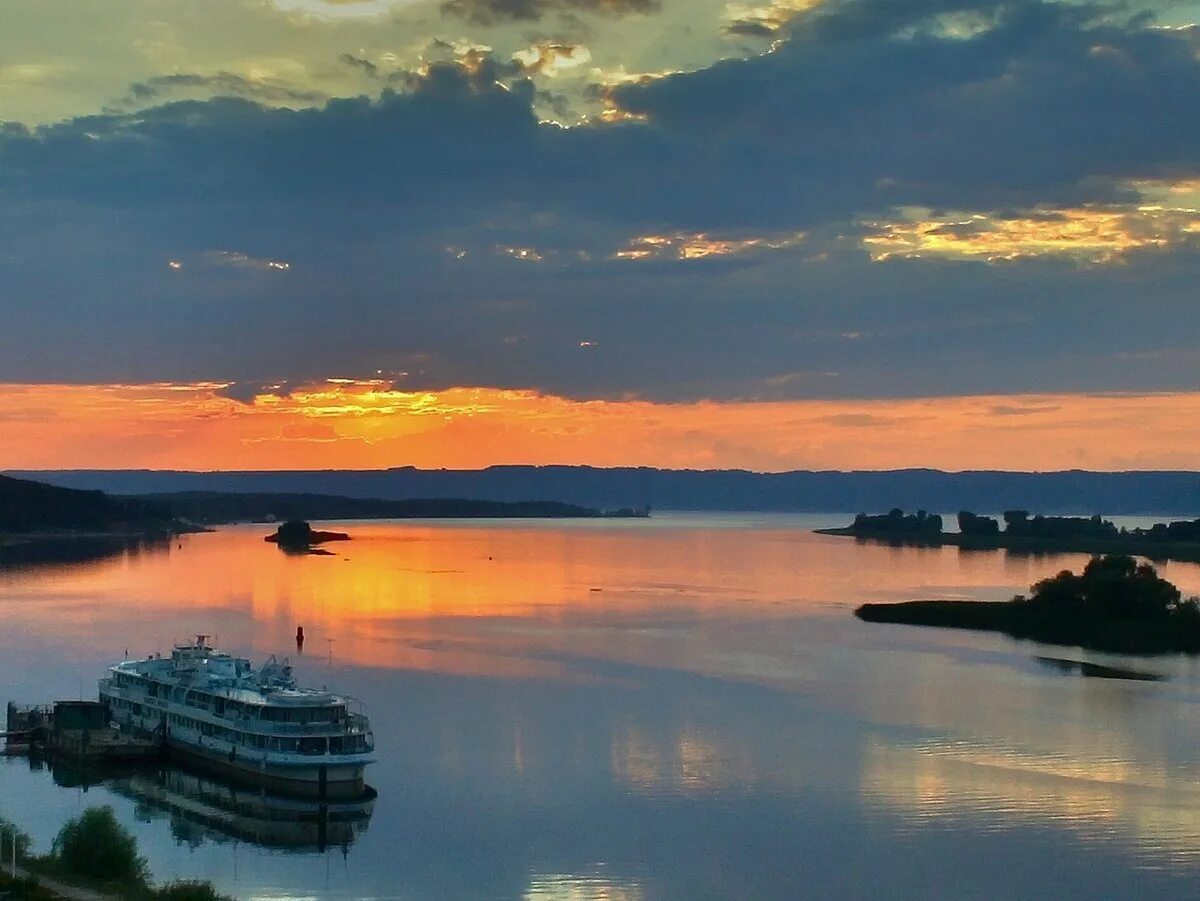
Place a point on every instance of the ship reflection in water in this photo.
(202, 809)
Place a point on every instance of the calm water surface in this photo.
(675, 708)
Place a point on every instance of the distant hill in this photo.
(1071, 492)
(33, 507)
(212, 508)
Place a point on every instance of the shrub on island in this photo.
(1114, 604)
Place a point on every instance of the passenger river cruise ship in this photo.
(218, 710)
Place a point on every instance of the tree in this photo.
(1114, 586)
(95, 846)
(8, 835)
(970, 524)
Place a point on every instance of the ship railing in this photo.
(352, 724)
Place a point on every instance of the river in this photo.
(682, 707)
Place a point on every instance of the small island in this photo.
(1115, 605)
(1023, 533)
(297, 536)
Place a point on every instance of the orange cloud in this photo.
(699, 245)
(1085, 234)
(369, 424)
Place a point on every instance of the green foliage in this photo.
(7, 831)
(895, 522)
(189, 891)
(24, 889)
(1114, 586)
(970, 524)
(1019, 525)
(96, 847)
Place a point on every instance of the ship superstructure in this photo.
(220, 711)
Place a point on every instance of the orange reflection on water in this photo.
(1091, 796)
(511, 598)
(684, 761)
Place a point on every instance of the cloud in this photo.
(1059, 127)
(224, 84)
(1031, 409)
(1024, 111)
(365, 66)
(1092, 234)
(491, 11)
(765, 21)
(349, 424)
(701, 246)
(552, 57)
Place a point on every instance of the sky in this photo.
(825, 234)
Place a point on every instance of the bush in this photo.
(98, 848)
(190, 891)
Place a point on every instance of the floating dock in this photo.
(75, 728)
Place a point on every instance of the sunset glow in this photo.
(347, 423)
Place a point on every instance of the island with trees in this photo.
(1115, 604)
(297, 537)
(1029, 534)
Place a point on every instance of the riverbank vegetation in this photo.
(35, 508)
(93, 851)
(1032, 534)
(1115, 604)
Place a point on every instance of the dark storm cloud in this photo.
(845, 117)
(491, 11)
(426, 228)
(868, 105)
(222, 83)
(751, 28)
(365, 66)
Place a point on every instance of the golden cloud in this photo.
(1089, 234)
(698, 245)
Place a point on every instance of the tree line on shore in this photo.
(1020, 524)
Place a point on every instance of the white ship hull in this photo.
(329, 780)
(295, 774)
